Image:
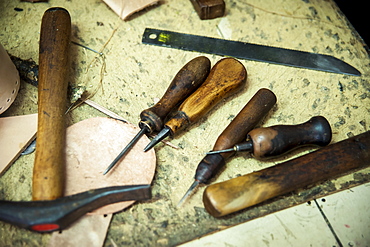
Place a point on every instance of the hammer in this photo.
(48, 171)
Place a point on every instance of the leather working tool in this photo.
(276, 140)
(58, 214)
(48, 171)
(251, 114)
(226, 77)
(242, 50)
(325, 163)
(186, 81)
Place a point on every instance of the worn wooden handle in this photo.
(226, 77)
(279, 139)
(186, 81)
(235, 132)
(328, 162)
(48, 171)
(252, 113)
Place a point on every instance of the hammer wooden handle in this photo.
(334, 160)
(48, 171)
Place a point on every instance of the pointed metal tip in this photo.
(106, 170)
(355, 72)
(150, 145)
(111, 165)
(126, 149)
(159, 137)
(190, 190)
(221, 151)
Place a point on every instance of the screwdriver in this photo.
(186, 81)
(226, 77)
(276, 140)
(251, 114)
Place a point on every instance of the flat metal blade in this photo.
(242, 50)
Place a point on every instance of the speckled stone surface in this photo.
(131, 76)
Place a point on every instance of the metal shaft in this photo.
(222, 151)
(142, 131)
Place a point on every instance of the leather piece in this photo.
(92, 144)
(125, 8)
(90, 147)
(9, 81)
(88, 231)
(16, 134)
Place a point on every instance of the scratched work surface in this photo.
(132, 76)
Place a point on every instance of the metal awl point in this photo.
(161, 135)
(127, 148)
(222, 151)
(190, 190)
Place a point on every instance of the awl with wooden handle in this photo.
(186, 81)
(251, 114)
(325, 163)
(226, 77)
(48, 171)
(276, 140)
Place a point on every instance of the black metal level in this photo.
(248, 51)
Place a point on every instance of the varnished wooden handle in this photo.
(186, 81)
(235, 132)
(226, 77)
(48, 171)
(252, 113)
(279, 139)
(328, 162)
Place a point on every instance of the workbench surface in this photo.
(131, 76)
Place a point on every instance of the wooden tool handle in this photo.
(277, 140)
(235, 132)
(48, 171)
(186, 81)
(328, 162)
(226, 77)
(252, 113)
